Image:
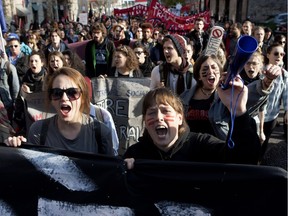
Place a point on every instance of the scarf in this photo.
(183, 68)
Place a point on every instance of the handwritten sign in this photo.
(37, 108)
(122, 97)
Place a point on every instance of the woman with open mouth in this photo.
(56, 60)
(72, 128)
(33, 82)
(204, 111)
(167, 135)
(125, 63)
(279, 94)
(207, 71)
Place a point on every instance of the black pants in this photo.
(268, 129)
(285, 129)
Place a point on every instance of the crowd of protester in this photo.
(40, 60)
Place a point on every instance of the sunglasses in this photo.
(282, 42)
(277, 54)
(57, 93)
(11, 46)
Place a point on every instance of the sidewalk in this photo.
(278, 133)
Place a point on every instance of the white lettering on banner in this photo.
(60, 168)
(56, 207)
(116, 108)
(6, 209)
(120, 108)
(122, 97)
(136, 93)
(128, 133)
(100, 93)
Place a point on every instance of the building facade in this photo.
(25, 12)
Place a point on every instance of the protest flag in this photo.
(3, 27)
(2, 18)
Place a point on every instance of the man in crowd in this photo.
(175, 72)
(99, 52)
(119, 36)
(231, 40)
(247, 28)
(199, 37)
(56, 43)
(147, 40)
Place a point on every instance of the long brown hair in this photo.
(199, 62)
(132, 61)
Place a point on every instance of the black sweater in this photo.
(205, 147)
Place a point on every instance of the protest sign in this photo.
(36, 108)
(122, 97)
(83, 18)
(215, 40)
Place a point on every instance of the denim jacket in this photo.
(219, 115)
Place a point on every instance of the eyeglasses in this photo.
(57, 93)
(278, 53)
(11, 46)
(282, 42)
(138, 52)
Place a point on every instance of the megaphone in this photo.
(246, 46)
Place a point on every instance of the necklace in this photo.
(206, 94)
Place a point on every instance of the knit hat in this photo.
(179, 43)
(12, 36)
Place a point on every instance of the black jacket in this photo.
(106, 50)
(205, 147)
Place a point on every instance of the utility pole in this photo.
(109, 7)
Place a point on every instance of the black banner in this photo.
(36, 180)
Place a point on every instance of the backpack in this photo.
(7, 70)
(164, 76)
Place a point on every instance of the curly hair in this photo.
(132, 61)
(99, 27)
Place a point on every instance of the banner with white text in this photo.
(42, 181)
(122, 97)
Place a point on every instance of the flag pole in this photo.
(2, 25)
(2, 42)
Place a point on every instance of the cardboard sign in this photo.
(83, 18)
(37, 108)
(215, 40)
(122, 97)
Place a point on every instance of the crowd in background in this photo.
(117, 47)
